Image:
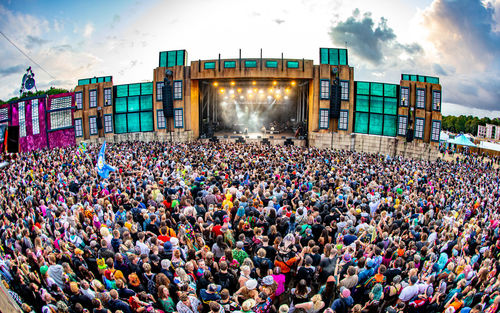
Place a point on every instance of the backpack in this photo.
(151, 285)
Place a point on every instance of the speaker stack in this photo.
(335, 99)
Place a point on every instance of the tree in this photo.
(50, 91)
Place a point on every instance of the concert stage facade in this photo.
(259, 98)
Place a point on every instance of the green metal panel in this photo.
(146, 88)
(390, 125)
(362, 103)
(134, 89)
(334, 57)
(121, 105)
(122, 90)
(100, 79)
(171, 58)
(377, 89)
(413, 78)
(163, 59)
(83, 82)
(120, 123)
(272, 64)
(390, 90)
(107, 78)
(406, 77)
(376, 121)
(229, 64)
(133, 104)
(361, 123)
(146, 103)
(363, 88)
(209, 65)
(180, 57)
(390, 106)
(343, 56)
(146, 121)
(93, 80)
(292, 64)
(250, 63)
(323, 52)
(421, 79)
(376, 104)
(133, 122)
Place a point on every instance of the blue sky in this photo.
(457, 40)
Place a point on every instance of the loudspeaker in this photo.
(335, 99)
(99, 120)
(289, 142)
(13, 139)
(168, 99)
(409, 135)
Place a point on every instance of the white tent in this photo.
(489, 146)
(444, 136)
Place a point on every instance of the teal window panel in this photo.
(250, 63)
(171, 58)
(377, 89)
(229, 64)
(363, 88)
(343, 57)
(323, 55)
(334, 57)
(146, 103)
(209, 65)
(83, 82)
(406, 77)
(362, 103)
(93, 80)
(180, 57)
(390, 125)
(361, 122)
(163, 59)
(121, 105)
(376, 124)
(376, 104)
(120, 123)
(107, 78)
(146, 121)
(390, 106)
(146, 88)
(432, 80)
(133, 104)
(390, 90)
(122, 90)
(133, 122)
(272, 64)
(100, 79)
(421, 79)
(413, 78)
(292, 64)
(134, 89)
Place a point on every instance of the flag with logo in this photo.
(103, 169)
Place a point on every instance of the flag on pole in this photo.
(103, 169)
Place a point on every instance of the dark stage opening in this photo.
(253, 106)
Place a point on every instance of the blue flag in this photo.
(102, 168)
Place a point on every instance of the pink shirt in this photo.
(280, 280)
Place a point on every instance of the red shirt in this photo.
(217, 230)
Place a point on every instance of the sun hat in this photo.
(251, 284)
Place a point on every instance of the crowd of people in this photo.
(223, 227)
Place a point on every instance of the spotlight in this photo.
(287, 90)
(241, 97)
(216, 84)
(261, 91)
(293, 83)
(255, 90)
(254, 83)
(285, 97)
(233, 83)
(221, 90)
(231, 91)
(278, 96)
(269, 97)
(239, 90)
(249, 91)
(278, 91)
(275, 83)
(271, 90)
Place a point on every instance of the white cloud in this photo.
(88, 30)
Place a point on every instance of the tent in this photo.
(489, 146)
(461, 140)
(444, 136)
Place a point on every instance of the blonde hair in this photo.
(318, 304)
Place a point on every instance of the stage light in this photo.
(293, 83)
(241, 97)
(285, 97)
(255, 90)
(275, 83)
(278, 91)
(287, 90)
(233, 83)
(231, 91)
(269, 97)
(221, 90)
(261, 91)
(250, 95)
(271, 90)
(278, 96)
(254, 83)
(216, 84)
(249, 91)
(239, 90)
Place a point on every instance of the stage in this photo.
(284, 138)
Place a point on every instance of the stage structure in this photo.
(265, 99)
